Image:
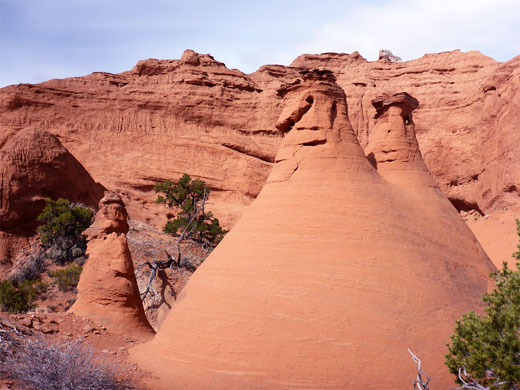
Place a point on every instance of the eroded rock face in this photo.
(314, 120)
(392, 143)
(332, 271)
(157, 121)
(167, 117)
(107, 290)
(466, 114)
(35, 165)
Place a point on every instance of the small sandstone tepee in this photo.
(107, 290)
(334, 272)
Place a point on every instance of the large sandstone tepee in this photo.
(334, 272)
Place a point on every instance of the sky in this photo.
(45, 39)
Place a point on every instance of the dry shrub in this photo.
(41, 365)
(19, 297)
(67, 278)
(33, 265)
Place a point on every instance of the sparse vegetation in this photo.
(387, 55)
(31, 269)
(67, 278)
(190, 197)
(42, 365)
(18, 297)
(516, 255)
(192, 222)
(61, 241)
(422, 380)
(485, 350)
(61, 232)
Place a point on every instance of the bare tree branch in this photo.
(171, 262)
(419, 383)
(468, 382)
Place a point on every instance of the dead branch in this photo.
(180, 261)
(5, 334)
(419, 383)
(149, 289)
(155, 266)
(10, 337)
(43, 365)
(468, 382)
(34, 249)
(387, 55)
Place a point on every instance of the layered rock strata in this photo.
(393, 149)
(331, 275)
(167, 117)
(34, 165)
(107, 289)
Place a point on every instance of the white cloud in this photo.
(411, 28)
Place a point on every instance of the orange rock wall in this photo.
(167, 117)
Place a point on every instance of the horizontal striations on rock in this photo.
(167, 117)
(465, 113)
(35, 165)
(334, 270)
(157, 121)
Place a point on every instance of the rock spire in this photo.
(107, 290)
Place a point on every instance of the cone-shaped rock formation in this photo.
(107, 290)
(329, 277)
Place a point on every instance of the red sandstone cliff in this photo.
(167, 117)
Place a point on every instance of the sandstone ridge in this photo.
(167, 117)
(332, 271)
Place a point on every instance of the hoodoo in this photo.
(331, 275)
(393, 149)
(107, 290)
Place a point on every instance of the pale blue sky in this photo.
(44, 39)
